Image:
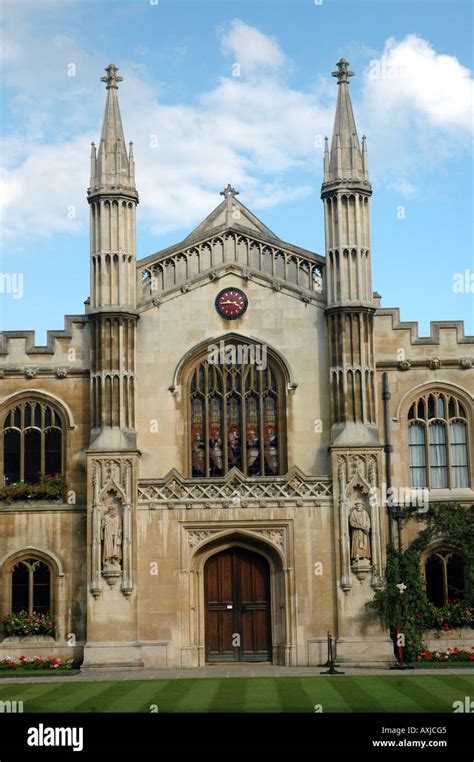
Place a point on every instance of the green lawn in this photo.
(391, 693)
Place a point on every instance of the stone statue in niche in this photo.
(359, 521)
(111, 534)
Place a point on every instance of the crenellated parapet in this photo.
(66, 351)
(399, 344)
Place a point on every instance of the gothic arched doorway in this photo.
(237, 606)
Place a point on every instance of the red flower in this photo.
(455, 650)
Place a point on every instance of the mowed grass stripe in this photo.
(401, 694)
(299, 695)
(191, 695)
(391, 693)
(35, 696)
(117, 697)
(69, 698)
(456, 683)
(353, 694)
(231, 696)
(262, 695)
(328, 694)
(424, 692)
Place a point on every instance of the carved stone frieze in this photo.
(234, 490)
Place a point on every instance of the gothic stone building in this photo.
(222, 414)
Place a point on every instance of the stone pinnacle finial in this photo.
(342, 72)
(229, 191)
(112, 77)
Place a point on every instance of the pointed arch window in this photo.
(438, 442)
(445, 577)
(31, 586)
(236, 413)
(33, 442)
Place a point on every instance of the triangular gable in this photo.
(240, 215)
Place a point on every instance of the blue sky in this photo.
(196, 126)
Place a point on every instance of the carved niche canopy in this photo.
(111, 523)
(357, 475)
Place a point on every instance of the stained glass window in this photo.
(236, 410)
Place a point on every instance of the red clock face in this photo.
(231, 303)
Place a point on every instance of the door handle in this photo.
(230, 606)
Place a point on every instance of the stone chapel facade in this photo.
(226, 414)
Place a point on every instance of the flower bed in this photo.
(24, 624)
(452, 614)
(35, 662)
(451, 655)
(47, 488)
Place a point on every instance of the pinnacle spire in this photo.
(112, 168)
(345, 159)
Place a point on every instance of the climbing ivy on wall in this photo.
(403, 604)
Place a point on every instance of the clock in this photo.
(231, 303)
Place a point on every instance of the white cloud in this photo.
(418, 109)
(246, 131)
(250, 48)
(45, 193)
(411, 75)
(254, 131)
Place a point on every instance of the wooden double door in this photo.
(238, 613)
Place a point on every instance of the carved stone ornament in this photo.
(359, 521)
(276, 536)
(31, 371)
(234, 490)
(61, 372)
(111, 530)
(195, 536)
(434, 363)
(404, 364)
(466, 362)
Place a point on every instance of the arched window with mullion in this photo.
(438, 442)
(31, 586)
(445, 577)
(33, 443)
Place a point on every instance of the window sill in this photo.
(458, 493)
(37, 504)
(29, 639)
